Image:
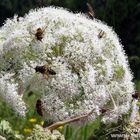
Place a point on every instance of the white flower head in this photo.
(90, 71)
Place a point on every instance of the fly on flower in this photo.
(39, 107)
(136, 95)
(39, 33)
(45, 70)
(101, 34)
(90, 11)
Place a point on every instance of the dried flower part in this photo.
(90, 65)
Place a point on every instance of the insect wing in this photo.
(51, 72)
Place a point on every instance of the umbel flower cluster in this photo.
(87, 66)
(45, 134)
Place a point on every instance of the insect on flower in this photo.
(136, 95)
(39, 107)
(45, 70)
(39, 34)
(101, 34)
(103, 110)
(90, 11)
